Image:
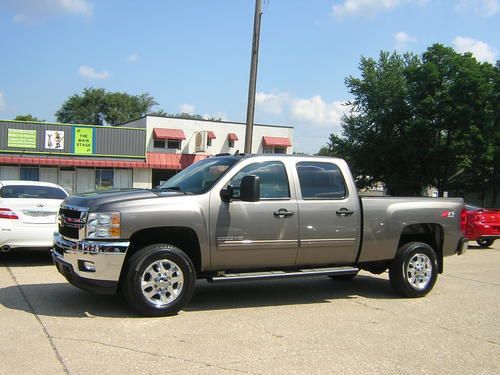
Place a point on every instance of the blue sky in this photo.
(194, 55)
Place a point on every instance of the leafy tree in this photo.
(432, 120)
(28, 118)
(97, 106)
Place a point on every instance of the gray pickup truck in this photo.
(247, 217)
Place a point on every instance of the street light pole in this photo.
(253, 77)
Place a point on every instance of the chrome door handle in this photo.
(282, 213)
(344, 212)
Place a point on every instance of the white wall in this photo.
(142, 178)
(221, 130)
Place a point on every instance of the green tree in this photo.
(97, 106)
(27, 118)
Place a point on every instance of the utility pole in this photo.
(253, 77)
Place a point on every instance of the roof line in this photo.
(206, 120)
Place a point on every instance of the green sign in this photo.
(21, 138)
(84, 140)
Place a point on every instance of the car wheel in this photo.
(484, 243)
(414, 271)
(343, 278)
(159, 280)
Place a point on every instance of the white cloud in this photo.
(272, 103)
(482, 7)
(481, 50)
(90, 73)
(3, 104)
(217, 115)
(369, 7)
(402, 39)
(318, 112)
(133, 58)
(187, 108)
(32, 11)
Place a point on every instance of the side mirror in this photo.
(250, 189)
(226, 194)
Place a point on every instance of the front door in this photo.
(255, 234)
(67, 181)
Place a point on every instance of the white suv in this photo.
(28, 213)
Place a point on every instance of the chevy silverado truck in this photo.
(249, 217)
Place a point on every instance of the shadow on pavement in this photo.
(65, 300)
(26, 258)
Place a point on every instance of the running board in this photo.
(283, 274)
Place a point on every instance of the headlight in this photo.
(103, 225)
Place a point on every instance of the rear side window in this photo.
(320, 180)
(28, 191)
(273, 179)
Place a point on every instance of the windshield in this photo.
(32, 191)
(201, 176)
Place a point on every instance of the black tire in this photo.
(484, 242)
(343, 278)
(411, 258)
(169, 291)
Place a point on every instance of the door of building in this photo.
(67, 181)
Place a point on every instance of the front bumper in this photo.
(94, 266)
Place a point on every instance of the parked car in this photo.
(28, 213)
(483, 225)
(249, 217)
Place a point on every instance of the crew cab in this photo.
(246, 217)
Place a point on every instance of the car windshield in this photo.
(32, 191)
(199, 177)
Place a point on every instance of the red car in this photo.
(483, 225)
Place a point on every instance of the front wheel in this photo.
(159, 280)
(484, 242)
(414, 271)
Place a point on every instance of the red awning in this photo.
(159, 160)
(72, 162)
(276, 141)
(232, 137)
(211, 135)
(160, 133)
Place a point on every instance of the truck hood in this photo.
(94, 200)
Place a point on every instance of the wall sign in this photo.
(21, 138)
(84, 141)
(54, 139)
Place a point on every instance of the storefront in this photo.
(139, 154)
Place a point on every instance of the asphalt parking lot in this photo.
(314, 326)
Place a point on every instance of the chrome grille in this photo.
(71, 222)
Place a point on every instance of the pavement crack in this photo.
(466, 279)
(44, 329)
(166, 356)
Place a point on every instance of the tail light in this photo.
(7, 213)
(463, 220)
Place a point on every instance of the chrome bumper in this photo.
(96, 261)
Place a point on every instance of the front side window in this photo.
(104, 179)
(320, 180)
(273, 179)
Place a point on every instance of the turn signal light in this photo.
(7, 213)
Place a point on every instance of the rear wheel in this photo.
(414, 271)
(484, 242)
(159, 280)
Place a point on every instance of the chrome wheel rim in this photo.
(162, 282)
(419, 271)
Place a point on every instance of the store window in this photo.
(174, 144)
(159, 143)
(29, 173)
(104, 179)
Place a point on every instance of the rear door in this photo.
(329, 215)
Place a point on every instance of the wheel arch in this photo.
(430, 233)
